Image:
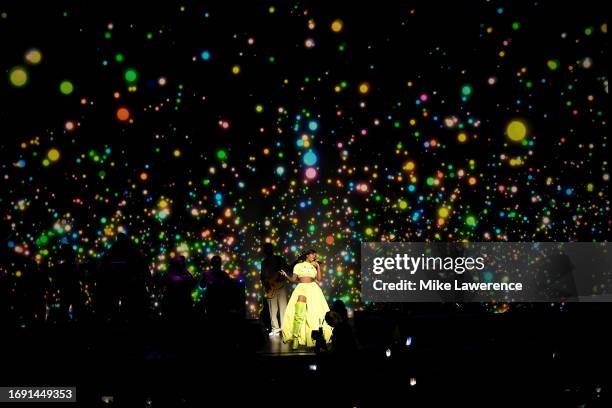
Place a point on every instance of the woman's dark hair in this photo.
(302, 258)
(305, 254)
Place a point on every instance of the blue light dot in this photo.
(310, 158)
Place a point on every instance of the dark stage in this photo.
(537, 357)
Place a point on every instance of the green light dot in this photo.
(66, 87)
(553, 65)
(131, 75)
(466, 90)
(470, 220)
(221, 154)
(516, 25)
(119, 57)
(430, 181)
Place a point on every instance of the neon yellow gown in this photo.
(316, 308)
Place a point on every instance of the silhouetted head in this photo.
(561, 263)
(215, 262)
(339, 307)
(177, 264)
(122, 237)
(333, 318)
(268, 249)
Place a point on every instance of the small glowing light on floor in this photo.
(312, 367)
(408, 340)
(388, 353)
(412, 381)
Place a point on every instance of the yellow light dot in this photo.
(337, 26)
(364, 88)
(236, 69)
(33, 56)
(462, 137)
(53, 155)
(18, 274)
(443, 212)
(516, 130)
(177, 153)
(409, 166)
(18, 77)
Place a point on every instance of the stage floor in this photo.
(274, 347)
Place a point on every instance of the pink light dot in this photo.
(423, 97)
(311, 173)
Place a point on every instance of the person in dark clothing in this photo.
(66, 277)
(27, 290)
(178, 286)
(342, 340)
(224, 296)
(339, 307)
(123, 282)
(274, 286)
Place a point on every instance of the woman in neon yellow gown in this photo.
(307, 306)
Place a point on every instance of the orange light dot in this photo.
(123, 114)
